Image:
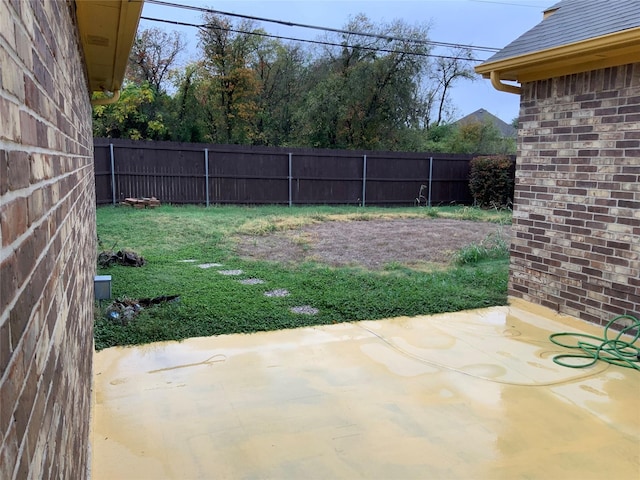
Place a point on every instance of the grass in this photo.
(494, 246)
(212, 304)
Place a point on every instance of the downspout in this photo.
(503, 87)
(109, 100)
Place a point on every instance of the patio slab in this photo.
(466, 395)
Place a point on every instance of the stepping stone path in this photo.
(280, 292)
(209, 265)
(251, 281)
(230, 272)
(305, 310)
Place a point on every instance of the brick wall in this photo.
(47, 244)
(576, 245)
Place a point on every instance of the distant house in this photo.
(482, 116)
(576, 218)
(54, 55)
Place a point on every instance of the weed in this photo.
(394, 266)
(274, 223)
(421, 199)
(362, 217)
(431, 212)
(476, 214)
(493, 246)
(302, 241)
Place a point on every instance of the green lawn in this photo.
(212, 304)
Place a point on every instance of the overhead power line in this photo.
(325, 29)
(317, 42)
(508, 3)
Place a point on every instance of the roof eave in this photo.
(107, 30)
(617, 48)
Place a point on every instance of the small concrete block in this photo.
(305, 310)
(209, 265)
(280, 292)
(230, 272)
(251, 281)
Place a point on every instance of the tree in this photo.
(473, 138)
(380, 90)
(365, 94)
(231, 87)
(445, 72)
(145, 110)
(188, 122)
(280, 70)
(153, 54)
(130, 117)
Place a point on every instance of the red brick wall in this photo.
(47, 244)
(576, 245)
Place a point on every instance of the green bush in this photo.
(491, 181)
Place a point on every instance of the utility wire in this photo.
(325, 29)
(508, 3)
(317, 42)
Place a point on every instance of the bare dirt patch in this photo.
(370, 244)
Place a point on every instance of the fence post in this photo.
(206, 174)
(430, 177)
(364, 179)
(113, 175)
(290, 179)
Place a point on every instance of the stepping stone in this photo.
(251, 281)
(209, 265)
(280, 292)
(187, 261)
(230, 272)
(305, 310)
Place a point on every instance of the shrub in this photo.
(491, 181)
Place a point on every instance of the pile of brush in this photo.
(127, 258)
(124, 310)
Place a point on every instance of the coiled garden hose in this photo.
(616, 351)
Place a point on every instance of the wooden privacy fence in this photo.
(190, 173)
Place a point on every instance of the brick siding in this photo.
(576, 243)
(47, 244)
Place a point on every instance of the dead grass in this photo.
(414, 242)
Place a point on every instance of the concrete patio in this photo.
(465, 395)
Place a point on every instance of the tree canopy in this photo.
(383, 91)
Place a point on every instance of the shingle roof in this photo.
(481, 115)
(574, 21)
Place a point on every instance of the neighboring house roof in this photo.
(107, 30)
(574, 36)
(481, 116)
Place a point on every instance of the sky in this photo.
(487, 23)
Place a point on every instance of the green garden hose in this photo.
(615, 351)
